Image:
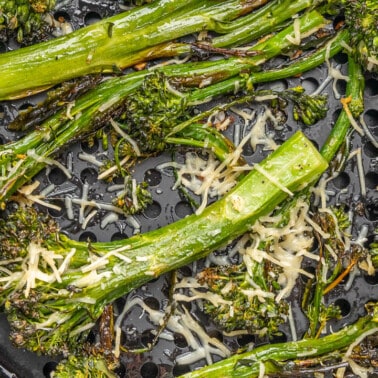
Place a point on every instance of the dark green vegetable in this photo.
(22, 159)
(353, 100)
(53, 317)
(94, 45)
(83, 366)
(239, 311)
(253, 314)
(290, 356)
(22, 18)
(361, 17)
(52, 304)
(108, 45)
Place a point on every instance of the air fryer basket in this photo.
(169, 205)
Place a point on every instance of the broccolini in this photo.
(23, 17)
(290, 357)
(55, 288)
(361, 18)
(22, 159)
(108, 46)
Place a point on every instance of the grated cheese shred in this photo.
(296, 39)
(272, 179)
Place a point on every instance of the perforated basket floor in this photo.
(170, 205)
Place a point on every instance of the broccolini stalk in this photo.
(352, 106)
(305, 63)
(108, 46)
(55, 288)
(156, 117)
(264, 20)
(22, 159)
(287, 358)
(315, 310)
(203, 73)
(157, 111)
(249, 28)
(354, 99)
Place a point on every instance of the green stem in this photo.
(295, 163)
(354, 91)
(307, 63)
(202, 136)
(302, 164)
(269, 356)
(96, 106)
(108, 45)
(239, 82)
(210, 72)
(263, 21)
(242, 30)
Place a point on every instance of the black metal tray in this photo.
(169, 205)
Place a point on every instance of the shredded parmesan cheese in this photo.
(113, 169)
(296, 39)
(288, 246)
(88, 218)
(48, 161)
(334, 72)
(90, 159)
(360, 167)
(356, 368)
(132, 142)
(272, 179)
(202, 345)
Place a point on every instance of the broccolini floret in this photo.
(158, 114)
(151, 113)
(133, 198)
(248, 302)
(83, 366)
(23, 17)
(361, 18)
(307, 108)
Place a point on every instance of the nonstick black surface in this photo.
(169, 205)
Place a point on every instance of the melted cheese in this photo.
(288, 246)
(296, 39)
(210, 178)
(40, 264)
(258, 134)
